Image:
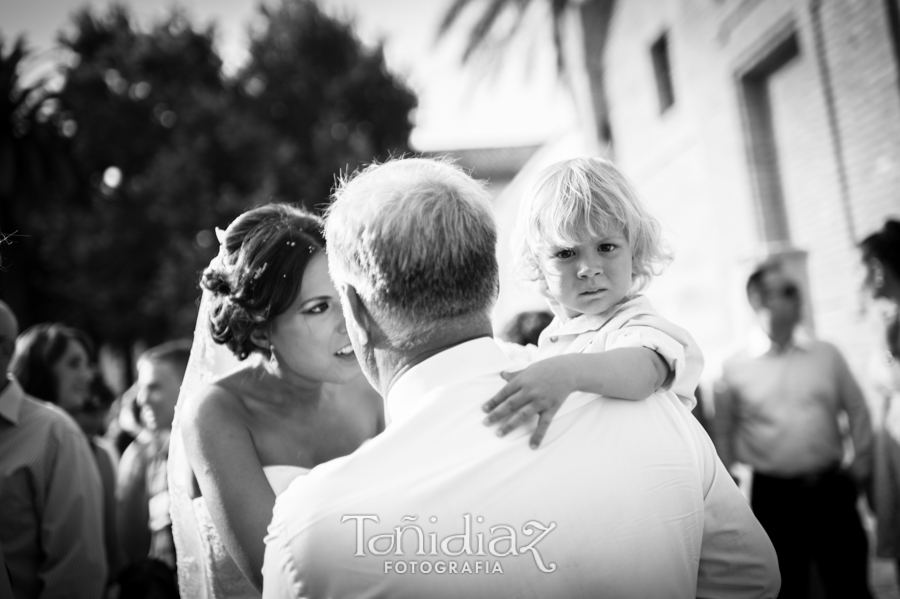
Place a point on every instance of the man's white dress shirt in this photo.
(778, 409)
(623, 499)
(51, 502)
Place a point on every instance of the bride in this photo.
(297, 397)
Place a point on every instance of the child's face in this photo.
(588, 278)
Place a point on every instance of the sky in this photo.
(518, 100)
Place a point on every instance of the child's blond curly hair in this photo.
(578, 200)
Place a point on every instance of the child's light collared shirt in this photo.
(634, 323)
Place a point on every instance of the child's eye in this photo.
(607, 247)
(564, 253)
(317, 308)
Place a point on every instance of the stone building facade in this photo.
(757, 128)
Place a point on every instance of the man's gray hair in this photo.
(416, 237)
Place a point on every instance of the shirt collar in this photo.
(11, 400)
(760, 345)
(584, 323)
(464, 361)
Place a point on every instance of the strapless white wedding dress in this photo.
(224, 579)
(281, 477)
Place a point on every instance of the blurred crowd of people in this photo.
(82, 472)
(83, 479)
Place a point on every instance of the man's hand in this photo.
(539, 389)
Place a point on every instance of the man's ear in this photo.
(260, 338)
(361, 321)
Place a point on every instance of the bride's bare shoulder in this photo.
(222, 399)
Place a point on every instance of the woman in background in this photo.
(54, 363)
(881, 256)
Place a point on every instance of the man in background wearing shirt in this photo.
(777, 410)
(142, 494)
(51, 526)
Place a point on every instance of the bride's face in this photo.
(310, 338)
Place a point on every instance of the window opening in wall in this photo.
(759, 129)
(659, 53)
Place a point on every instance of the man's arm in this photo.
(132, 507)
(853, 402)
(72, 522)
(737, 559)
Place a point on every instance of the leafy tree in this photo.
(168, 147)
(146, 108)
(329, 101)
(37, 176)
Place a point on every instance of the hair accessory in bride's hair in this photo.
(259, 271)
(219, 262)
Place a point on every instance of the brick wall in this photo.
(691, 162)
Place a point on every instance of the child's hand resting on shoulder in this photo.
(631, 373)
(539, 389)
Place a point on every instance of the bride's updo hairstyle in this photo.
(257, 274)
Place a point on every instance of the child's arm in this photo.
(625, 373)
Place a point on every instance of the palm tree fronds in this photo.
(558, 10)
(479, 34)
(451, 15)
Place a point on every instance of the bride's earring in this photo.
(273, 361)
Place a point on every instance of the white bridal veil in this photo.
(208, 360)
